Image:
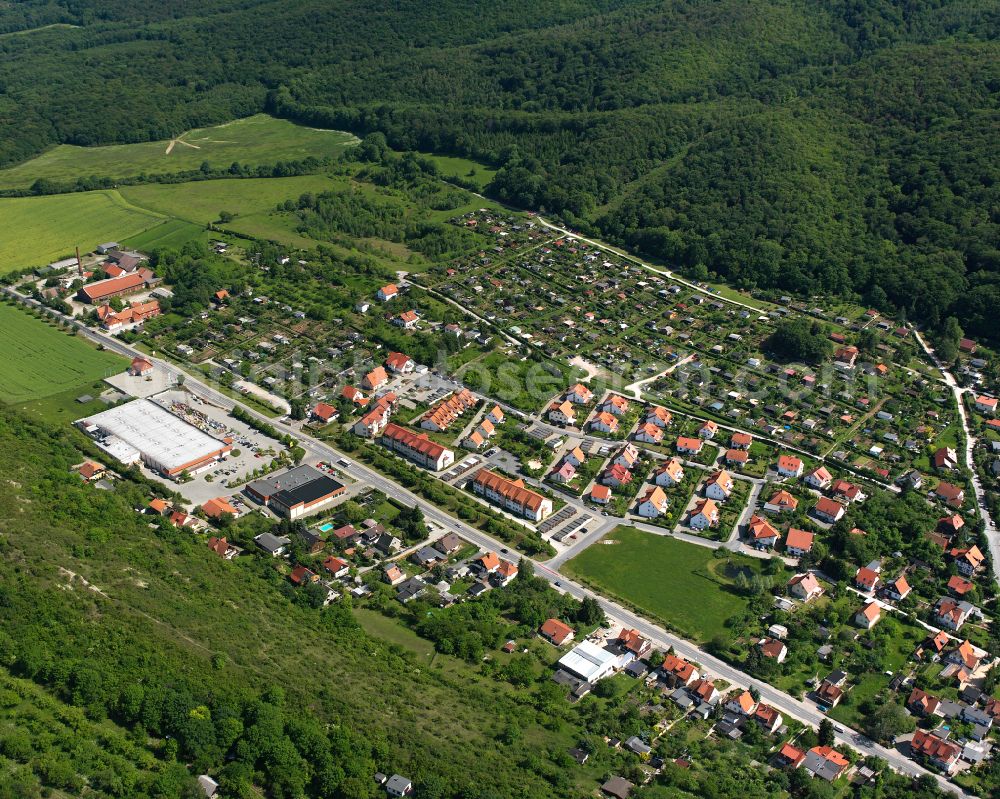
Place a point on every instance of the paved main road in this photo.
(787, 705)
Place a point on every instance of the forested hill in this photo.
(841, 146)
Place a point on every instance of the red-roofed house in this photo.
(986, 405)
(968, 561)
(937, 751)
(798, 542)
(705, 514)
(399, 364)
(789, 466)
(768, 718)
(950, 494)
(678, 672)
(215, 508)
(375, 379)
(579, 394)
(388, 292)
(773, 648)
(866, 579)
(805, 586)
(689, 446)
(898, 589)
(780, 502)
(761, 534)
(140, 366)
(828, 510)
(819, 477)
(868, 616)
(790, 757)
(336, 566)
(600, 494)
(324, 412)
(556, 632)
(740, 440)
(653, 503)
(743, 703)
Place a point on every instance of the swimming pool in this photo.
(324, 528)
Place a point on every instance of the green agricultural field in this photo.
(251, 200)
(41, 360)
(255, 140)
(174, 233)
(38, 230)
(682, 584)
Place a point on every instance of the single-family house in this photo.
(780, 502)
(719, 486)
(828, 510)
(868, 616)
(555, 631)
(669, 474)
(653, 503)
(798, 542)
(579, 394)
(761, 534)
(689, 446)
(789, 466)
(705, 514)
(805, 586)
(819, 478)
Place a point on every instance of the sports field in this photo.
(255, 140)
(38, 230)
(40, 360)
(682, 584)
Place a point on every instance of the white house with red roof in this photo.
(669, 474)
(388, 292)
(399, 363)
(986, 404)
(562, 413)
(579, 394)
(719, 486)
(798, 542)
(604, 422)
(705, 514)
(789, 466)
(649, 434)
(805, 587)
(653, 503)
(819, 477)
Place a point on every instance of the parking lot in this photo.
(251, 449)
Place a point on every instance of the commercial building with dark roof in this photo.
(295, 493)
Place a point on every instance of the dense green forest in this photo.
(842, 146)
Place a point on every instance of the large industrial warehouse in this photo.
(143, 431)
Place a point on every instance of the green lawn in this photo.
(255, 140)
(682, 584)
(38, 230)
(41, 360)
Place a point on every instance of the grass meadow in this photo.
(259, 139)
(682, 584)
